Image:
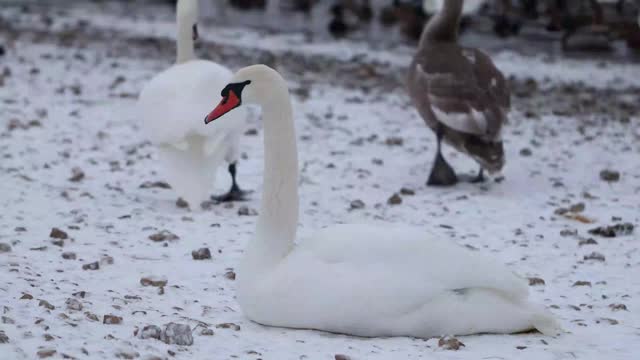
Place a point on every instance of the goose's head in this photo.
(187, 16)
(256, 84)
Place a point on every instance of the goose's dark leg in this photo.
(480, 177)
(235, 193)
(441, 174)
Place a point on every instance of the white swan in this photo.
(470, 6)
(357, 279)
(171, 107)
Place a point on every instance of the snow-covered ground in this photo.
(66, 102)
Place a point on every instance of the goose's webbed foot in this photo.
(442, 173)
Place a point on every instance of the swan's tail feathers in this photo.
(189, 172)
(545, 322)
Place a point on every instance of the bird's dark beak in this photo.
(228, 103)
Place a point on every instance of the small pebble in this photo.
(246, 211)
(76, 175)
(395, 199)
(609, 175)
(164, 235)
(182, 203)
(73, 304)
(201, 254)
(5, 248)
(407, 192)
(58, 234)
(46, 304)
(612, 231)
(153, 281)
(534, 281)
(45, 353)
(179, 334)
(91, 266)
(356, 204)
(618, 307)
(150, 332)
(450, 343)
(206, 332)
(231, 275)
(111, 320)
(228, 326)
(594, 256)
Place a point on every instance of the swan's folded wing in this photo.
(413, 258)
(470, 269)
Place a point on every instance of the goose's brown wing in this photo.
(493, 83)
(463, 92)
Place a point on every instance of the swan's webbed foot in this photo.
(442, 173)
(235, 193)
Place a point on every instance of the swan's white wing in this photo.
(424, 258)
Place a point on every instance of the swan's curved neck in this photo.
(444, 25)
(184, 45)
(276, 227)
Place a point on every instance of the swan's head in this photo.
(187, 16)
(256, 84)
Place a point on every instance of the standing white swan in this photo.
(357, 279)
(171, 107)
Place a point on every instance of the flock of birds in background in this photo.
(365, 280)
(602, 20)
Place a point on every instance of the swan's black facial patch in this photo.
(236, 88)
(231, 99)
(194, 32)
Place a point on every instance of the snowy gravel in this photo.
(72, 157)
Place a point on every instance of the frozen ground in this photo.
(67, 94)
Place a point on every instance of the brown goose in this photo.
(460, 94)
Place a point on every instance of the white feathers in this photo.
(469, 7)
(473, 122)
(387, 281)
(189, 171)
(172, 108)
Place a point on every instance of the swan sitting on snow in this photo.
(171, 107)
(357, 279)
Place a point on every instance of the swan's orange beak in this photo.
(228, 103)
